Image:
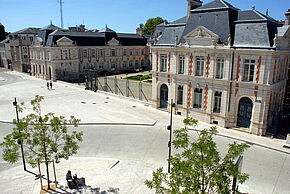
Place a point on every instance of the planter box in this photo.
(288, 139)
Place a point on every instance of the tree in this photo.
(151, 24)
(44, 137)
(198, 168)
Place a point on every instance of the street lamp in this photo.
(20, 142)
(169, 127)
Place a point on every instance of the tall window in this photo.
(220, 68)
(180, 95)
(113, 66)
(93, 53)
(217, 102)
(85, 53)
(136, 63)
(197, 101)
(249, 68)
(181, 65)
(65, 54)
(124, 63)
(113, 52)
(125, 52)
(163, 63)
(142, 51)
(199, 66)
(130, 63)
(137, 51)
(131, 52)
(101, 52)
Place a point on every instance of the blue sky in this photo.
(120, 15)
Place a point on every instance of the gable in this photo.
(64, 41)
(201, 36)
(113, 42)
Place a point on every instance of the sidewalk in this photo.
(101, 176)
(271, 143)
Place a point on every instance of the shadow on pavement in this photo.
(86, 189)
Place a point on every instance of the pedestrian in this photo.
(50, 83)
(47, 85)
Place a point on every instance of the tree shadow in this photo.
(86, 189)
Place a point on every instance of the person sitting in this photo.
(70, 181)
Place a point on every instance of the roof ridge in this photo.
(260, 14)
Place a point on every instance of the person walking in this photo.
(50, 83)
(47, 85)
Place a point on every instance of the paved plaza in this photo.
(118, 159)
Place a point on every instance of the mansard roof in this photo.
(95, 38)
(248, 28)
(27, 31)
(216, 4)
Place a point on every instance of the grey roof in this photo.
(283, 30)
(106, 29)
(252, 35)
(27, 31)
(50, 27)
(94, 38)
(170, 34)
(180, 21)
(248, 28)
(216, 4)
(253, 15)
(216, 21)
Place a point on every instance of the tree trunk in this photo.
(47, 174)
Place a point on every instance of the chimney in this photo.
(287, 20)
(193, 4)
(139, 31)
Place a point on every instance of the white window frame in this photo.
(199, 70)
(217, 101)
(220, 64)
(249, 70)
(181, 65)
(163, 63)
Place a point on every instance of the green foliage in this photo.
(139, 77)
(199, 168)
(44, 138)
(151, 24)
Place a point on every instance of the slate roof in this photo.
(27, 31)
(283, 30)
(253, 15)
(216, 4)
(50, 27)
(170, 34)
(106, 29)
(248, 28)
(180, 20)
(95, 38)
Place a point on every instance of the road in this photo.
(269, 169)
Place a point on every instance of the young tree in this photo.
(199, 168)
(151, 24)
(44, 137)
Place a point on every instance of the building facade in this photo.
(58, 53)
(20, 43)
(222, 65)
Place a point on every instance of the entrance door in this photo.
(245, 112)
(49, 73)
(163, 96)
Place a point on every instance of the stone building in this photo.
(57, 54)
(5, 56)
(222, 65)
(20, 43)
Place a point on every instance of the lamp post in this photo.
(20, 142)
(169, 127)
